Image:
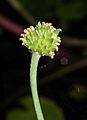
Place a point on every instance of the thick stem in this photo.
(33, 81)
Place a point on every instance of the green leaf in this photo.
(50, 110)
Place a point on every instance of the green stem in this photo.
(33, 81)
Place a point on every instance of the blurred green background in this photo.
(63, 80)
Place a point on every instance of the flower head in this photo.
(42, 39)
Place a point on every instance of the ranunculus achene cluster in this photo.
(42, 39)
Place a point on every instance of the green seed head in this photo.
(42, 39)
